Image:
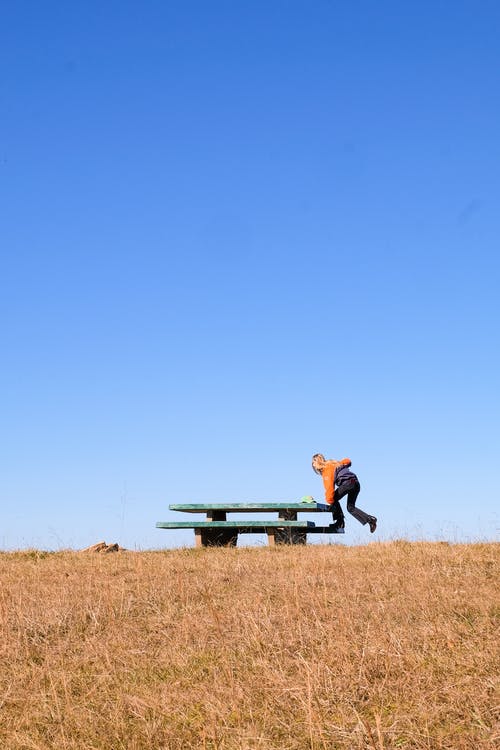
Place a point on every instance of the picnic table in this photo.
(216, 531)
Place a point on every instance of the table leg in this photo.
(289, 535)
(219, 537)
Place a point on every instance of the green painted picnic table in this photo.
(217, 531)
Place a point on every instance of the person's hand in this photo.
(323, 506)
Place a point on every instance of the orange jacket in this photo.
(328, 476)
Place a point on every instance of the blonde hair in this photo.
(318, 457)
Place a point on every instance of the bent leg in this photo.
(337, 514)
(360, 515)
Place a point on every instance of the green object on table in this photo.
(307, 499)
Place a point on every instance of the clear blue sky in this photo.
(236, 234)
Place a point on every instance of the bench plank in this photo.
(233, 524)
(246, 507)
(322, 530)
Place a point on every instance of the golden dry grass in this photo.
(384, 646)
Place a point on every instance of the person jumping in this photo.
(338, 473)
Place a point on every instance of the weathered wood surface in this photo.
(322, 530)
(247, 507)
(233, 524)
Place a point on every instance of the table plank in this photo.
(233, 524)
(247, 507)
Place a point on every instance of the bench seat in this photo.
(233, 524)
(225, 533)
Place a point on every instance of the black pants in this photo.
(351, 489)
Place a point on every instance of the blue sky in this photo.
(236, 234)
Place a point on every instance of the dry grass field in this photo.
(390, 645)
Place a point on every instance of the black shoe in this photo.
(373, 524)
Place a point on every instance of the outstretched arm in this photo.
(328, 476)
